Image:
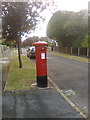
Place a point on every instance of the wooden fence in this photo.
(73, 51)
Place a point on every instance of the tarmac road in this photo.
(69, 74)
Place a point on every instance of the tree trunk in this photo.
(60, 46)
(19, 55)
(52, 48)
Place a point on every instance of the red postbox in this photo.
(41, 63)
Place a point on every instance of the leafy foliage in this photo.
(30, 41)
(19, 18)
(86, 42)
(67, 27)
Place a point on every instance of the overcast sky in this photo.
(69, 5)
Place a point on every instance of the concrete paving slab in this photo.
(36, 104)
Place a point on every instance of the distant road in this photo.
(70, 74)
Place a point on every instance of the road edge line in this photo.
(67, 99)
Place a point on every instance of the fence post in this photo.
(87, 52)
(71, 50)
(65, 49)
(78, 51)
(61, 49)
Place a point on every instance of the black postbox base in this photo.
(42, 81)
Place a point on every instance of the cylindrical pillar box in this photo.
(41, 63)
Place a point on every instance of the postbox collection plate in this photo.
(42, 55)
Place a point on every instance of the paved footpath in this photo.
(37, 103)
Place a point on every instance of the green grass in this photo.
(0, 56)
(20, 79)
(15, 51)
(82, 59)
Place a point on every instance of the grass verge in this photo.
(81, 59)
(20, 79)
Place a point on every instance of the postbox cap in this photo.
(39, 43)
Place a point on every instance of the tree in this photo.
(76, 28)
(67, 27)
(30, 41)
(89, 18)
(19, 18)
(86, 42)
(55, 28)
